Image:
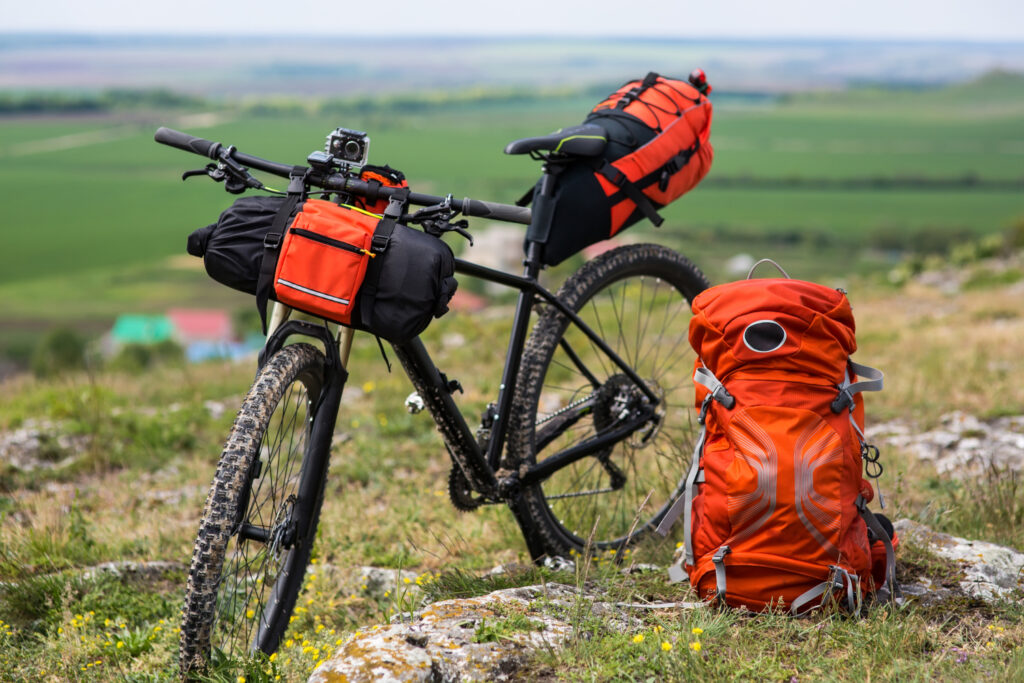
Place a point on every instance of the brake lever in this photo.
(236, 178)
(199, 171)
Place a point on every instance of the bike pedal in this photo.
(414, 403)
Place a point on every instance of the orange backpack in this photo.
(775, 502)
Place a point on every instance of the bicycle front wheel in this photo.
(570, 393)
(254, 543)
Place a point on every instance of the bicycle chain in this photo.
(577, 494)
(565, 409)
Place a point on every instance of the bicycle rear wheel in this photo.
(253, 543)
(637, 298)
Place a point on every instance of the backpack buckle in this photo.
(272, 240)
(379, 243)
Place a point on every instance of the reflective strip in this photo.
(312, 292)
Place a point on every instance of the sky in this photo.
(980, 20)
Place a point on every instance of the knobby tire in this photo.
(241, 591)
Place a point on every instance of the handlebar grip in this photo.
(499, 212)
(189, 143)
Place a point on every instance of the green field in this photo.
(88, 197)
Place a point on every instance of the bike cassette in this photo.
(462, 494)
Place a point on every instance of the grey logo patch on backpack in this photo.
(764, 336)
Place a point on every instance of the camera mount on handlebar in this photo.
(236, 178)
(437, 220)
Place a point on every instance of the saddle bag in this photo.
(337, 262)
(775, 502)
(658, 150)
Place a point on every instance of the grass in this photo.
(137, 490)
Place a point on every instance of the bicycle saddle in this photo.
(586, 140)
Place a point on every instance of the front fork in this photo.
(337, 347)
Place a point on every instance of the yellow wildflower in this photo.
(666, 646)
(638, 638)
(696, 630)
(695, 646)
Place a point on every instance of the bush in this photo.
(136, 358)
(60, 350)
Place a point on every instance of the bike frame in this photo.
(488, 475)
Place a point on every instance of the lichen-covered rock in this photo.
(379, 580)
(962, 443)
(469, 639)
(40, 445)
(989, 571)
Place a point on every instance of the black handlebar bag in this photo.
(358, 269)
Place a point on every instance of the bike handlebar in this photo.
(339, 181)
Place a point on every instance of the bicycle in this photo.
(588, 440)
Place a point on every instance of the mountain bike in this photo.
(587, 441)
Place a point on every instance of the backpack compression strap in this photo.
(889, 590)
(838, 579)
(873, 382)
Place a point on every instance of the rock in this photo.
(962, 444)
(468, 639)
(378, 580)
(145, 571)
(989, 572)
(40, 445)
(739, 265)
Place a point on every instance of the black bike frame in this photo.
(481, 466)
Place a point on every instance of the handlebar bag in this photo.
(336, 262)
(378, 177)
(658, 150)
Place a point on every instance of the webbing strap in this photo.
(838, 579)
(707, 379)
(719, 561)
(379, 244)
(684, 503)
(889, 590)
(621, 181)
(869, 379)
(274, 238)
